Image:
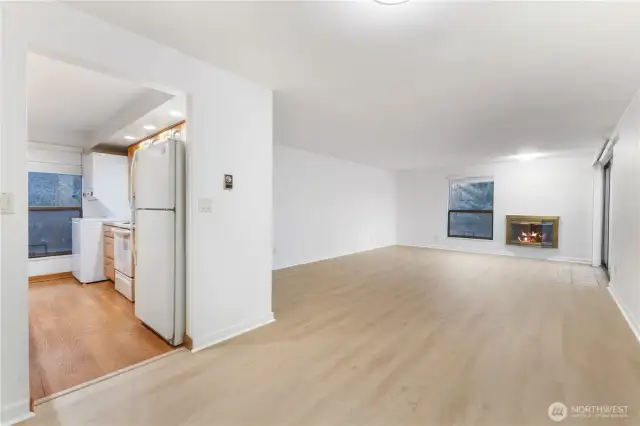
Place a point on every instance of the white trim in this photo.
(606, 152)
(453, 237)
(633, 324)
(502, 253)
(62, 256)
(211, 339)
(107, 376)
(16, 413)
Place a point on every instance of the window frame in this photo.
(475, 211)
(54, 208)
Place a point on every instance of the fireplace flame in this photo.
(529, 237)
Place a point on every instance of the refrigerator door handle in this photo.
(131, 174)
(132, 206)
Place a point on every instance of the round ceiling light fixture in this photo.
(390, 2)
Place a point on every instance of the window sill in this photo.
(488, 240)
(61, 256)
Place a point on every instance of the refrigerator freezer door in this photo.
(155, 176)
(155, 270)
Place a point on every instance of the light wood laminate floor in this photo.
(395, 336)
(78, 333)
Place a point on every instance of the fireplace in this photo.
(533, 231)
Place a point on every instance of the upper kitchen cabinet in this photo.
(105, 185)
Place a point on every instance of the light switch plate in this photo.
(205, 205)
(6, 203)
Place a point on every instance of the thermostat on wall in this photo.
(228, 182)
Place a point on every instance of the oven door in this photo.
(122, 252)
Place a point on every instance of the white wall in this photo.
(49, 265)
(544, 187)
(51, 158)
(230, 131)
(624, 240)
(326, 207)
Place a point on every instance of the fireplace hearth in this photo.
(533, 231)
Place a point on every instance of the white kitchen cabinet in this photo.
(105, 185)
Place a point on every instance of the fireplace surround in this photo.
(533, 231)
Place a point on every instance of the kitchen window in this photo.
(471, 209)
(54, 200)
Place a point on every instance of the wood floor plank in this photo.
(395, 336)
(79, 333)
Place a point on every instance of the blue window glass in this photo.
(50, 232)
(54, 190)
(471, 225)
(471, 210)
(471, 196)
(54, 199)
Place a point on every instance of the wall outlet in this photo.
(435, 238)
(205, 205)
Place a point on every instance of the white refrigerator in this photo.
(158, 222)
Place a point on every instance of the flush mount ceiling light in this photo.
(528, 156)
(149, 127)
(130, 138)
(390, 2)
(175, 114)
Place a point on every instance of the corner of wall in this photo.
(634, 324)
(15, 413)
(204, 342)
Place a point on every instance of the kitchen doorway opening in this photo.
(98, 302)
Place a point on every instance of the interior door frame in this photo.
(606, 215)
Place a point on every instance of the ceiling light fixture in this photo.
(390, 2)
(528, 156)
(149, 127)
(176, 114)
(130, 138)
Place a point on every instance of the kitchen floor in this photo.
(78, 333)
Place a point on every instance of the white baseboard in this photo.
(502, 253)
(15, 413)
(633, 323)
(200, 343)
(330, 257)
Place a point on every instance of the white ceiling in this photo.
(69, 97)
(419, 84)
(71, 105)
(160, 118)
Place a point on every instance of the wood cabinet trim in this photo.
(159, 132)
